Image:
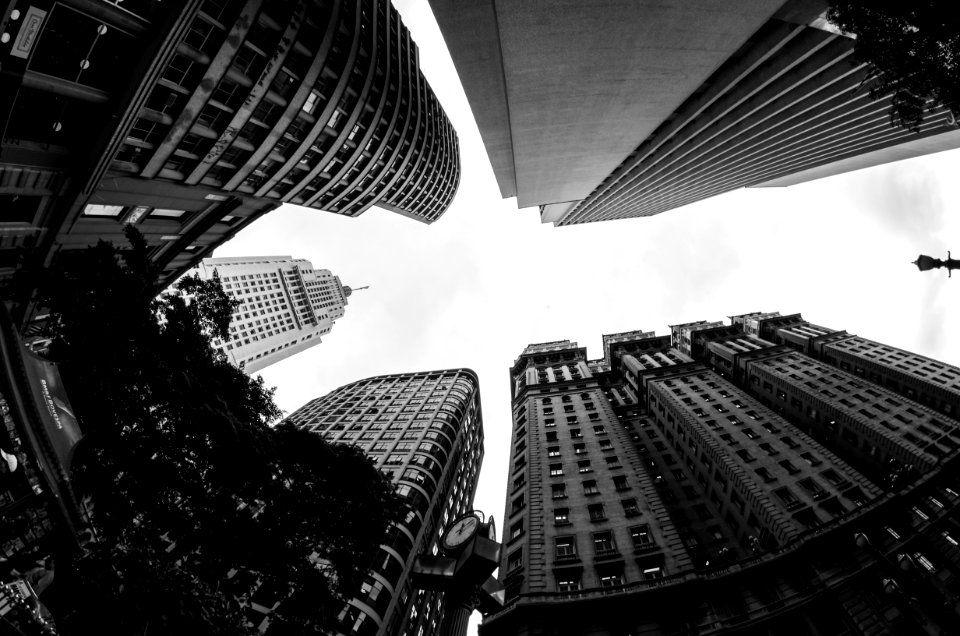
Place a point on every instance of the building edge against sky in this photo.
(286, 306)
(718, 477)
(767, 96)
(238, 107)
(425, 432)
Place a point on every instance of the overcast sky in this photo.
(486, 279)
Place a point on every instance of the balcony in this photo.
(606, 555)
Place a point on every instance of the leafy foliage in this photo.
(913, 49)
(197, 499)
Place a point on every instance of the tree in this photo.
(913, 52)
(196, 496)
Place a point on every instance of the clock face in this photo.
(460, 532)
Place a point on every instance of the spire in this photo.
(348, 291)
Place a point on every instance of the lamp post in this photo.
(925, 263)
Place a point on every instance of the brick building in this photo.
(715, 478)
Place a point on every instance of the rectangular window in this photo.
(556, 470)
(603, 542)
(596, 512)
(565, 547)
(515, 560)
(620, 483)
(516, 530)
(568, 583)
(611, 580)
(787, 497)
(106, 211)
(583, 466)
(590, 487)
(561, 516)
(641, 536)
(630, 507)
(559, 491)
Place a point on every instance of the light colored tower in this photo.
(425, 432)
(285, 306)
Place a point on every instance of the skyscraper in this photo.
(425, 431)
(715, 479)
(192, 122)
(606, 110)
(286, 306)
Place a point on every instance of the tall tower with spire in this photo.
(285, 306)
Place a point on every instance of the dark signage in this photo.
(55, 410)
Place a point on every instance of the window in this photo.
(583, 466)
(167, 214)
(565, 547)
(574, 433)
(596, 512)
(811, 486)
(793, 470)
(561, 516)
(603, 543)
(516, 530)
(590, 487)
(765, 475)
(568, 583)
(517, 505)
(787, 497)
(108, 211)
(810, 459)
(655, 572)
(599, 430)
(556, 470)
(551, 436)
(559, 491)
(579, 449)
(789, 441)
(553, 451)
(745, 455)
(630, 507)
(641, 536)
(515, 560)
(620, 483)
(611, 580)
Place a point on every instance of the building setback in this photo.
(236, 108)
(600, 111)
(425, 431)
(714, 479)
(286, 306)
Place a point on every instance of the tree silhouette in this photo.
(913, 49)
(197, 499)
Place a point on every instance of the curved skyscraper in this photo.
(425, 431)
(189, 122)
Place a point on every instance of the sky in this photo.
(486, 279)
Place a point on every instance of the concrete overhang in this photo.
(564, 91)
